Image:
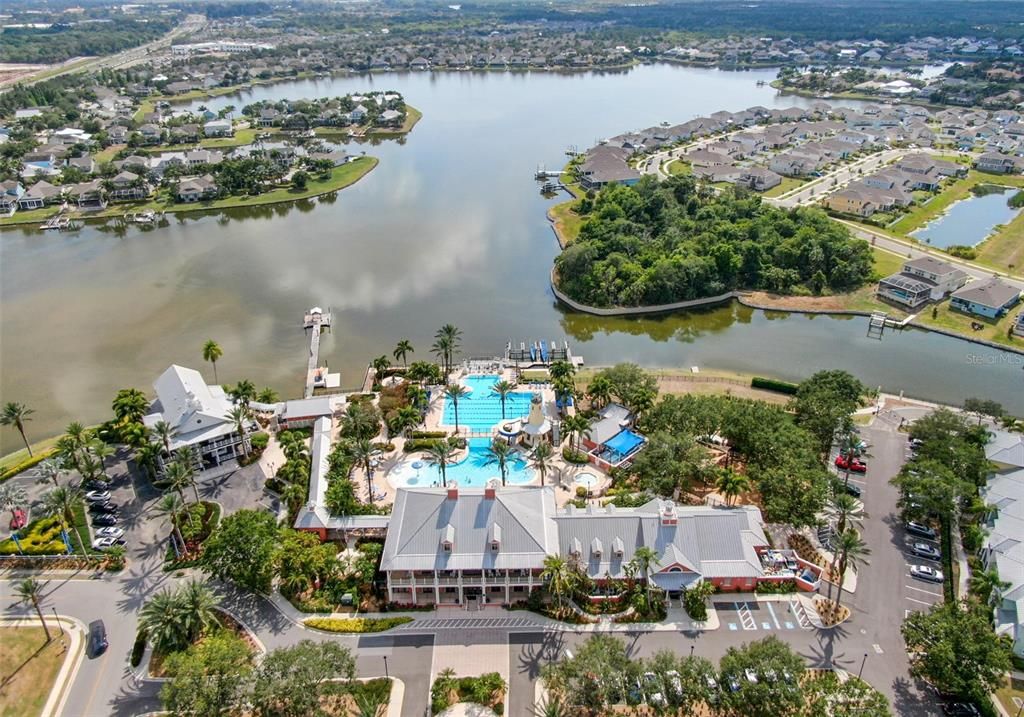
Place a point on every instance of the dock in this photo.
(316, 319)
(879, 321)
(540, 353)
(59, 222)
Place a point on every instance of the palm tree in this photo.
(11, 496)
(130, 405)
(244, 392)
(380, 365)
(846, 509)
(731, 484)
(561, 369)
(163, 431)
(403, 419)
(403, 348)
(540, 460)
(179, 475)
(146, 458)
(293, 495)
(60, 503)
(987, 584)
(502, 389)
(212, 353)
(499, 452)
(50, 470)
(599, 391)
(575, 427)
(70, 445)
(454, 392)
(240, 415)
(441, 348)
(362, 454)
(101, 451)
(164, 620)
(198, 603)
(417, 396)
(16, 414)
(267, 395)
(440, 454)
(30, 590)
(559, 576)
(851, 551)
(644, 558)
(171, 506)
(451, 336)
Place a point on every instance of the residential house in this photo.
(128, 186)
(218, 128)
(39, 195)
(997, 163)
(197, 189)
(606, 165)
(88, 195)
(336, 157)
(991, 298)
(184, 134)
(11, 191)
(85, 163)
(706, 158)
(759, 179)
(921, 280)
(199, 416)
(151, 133)
(1003, 552)
(389, 118)
(851, 201)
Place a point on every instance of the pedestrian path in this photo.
(464, 623)
(764, 615)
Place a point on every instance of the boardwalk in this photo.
(316, 320)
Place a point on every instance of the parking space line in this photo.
(922, 590)
(919, 602)
(771, 611)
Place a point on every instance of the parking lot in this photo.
(767, 616)
(919, 594)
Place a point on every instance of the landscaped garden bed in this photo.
(43, 536)
(195, 523)
(487, 690)
(355, 624)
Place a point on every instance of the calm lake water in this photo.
(449, 227)
(969, 221)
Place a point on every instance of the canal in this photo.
(448, 228)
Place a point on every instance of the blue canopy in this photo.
(624, 442)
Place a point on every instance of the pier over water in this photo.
(317, 320)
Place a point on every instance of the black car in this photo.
(104, 519)
(97, 638)
(95, 485)
(853, 489)
(105, 507)
(960, 709)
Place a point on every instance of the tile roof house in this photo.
(921, 280)
(11, 192)
(606, 165)
(991, 298)
(997, 163)
(39, 195)
(195, 189)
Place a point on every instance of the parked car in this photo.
(104, 507)
(854, 465)
(110, 532)
(916, 443)
(98, 496)
(18, 519)
(104, 543)
(920, 529)
(924, 572)
(853, 489)
(960, 709)
(750, 675)
(923, 550)
(106, 519)
(675, 683)
(95, 484)
(97, 638)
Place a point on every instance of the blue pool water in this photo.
(480, 410)
(473, 471)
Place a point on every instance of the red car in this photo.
(854, 465)
(18, 519)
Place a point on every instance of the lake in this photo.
(969, 221)
(450, 227)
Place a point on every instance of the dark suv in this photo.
(97, 638)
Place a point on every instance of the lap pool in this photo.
(480, 409)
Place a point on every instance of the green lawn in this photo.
(788, 184)
(994, 330)
(1004, 250)
(567, 221)
(886, 263)
(28, 669)
(678, 166)
(30, 216)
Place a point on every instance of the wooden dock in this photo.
(317, 320)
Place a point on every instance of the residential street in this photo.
(884, 594)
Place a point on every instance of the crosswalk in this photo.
(465, 623)
(741, 615)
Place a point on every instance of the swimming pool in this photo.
(480, 409)
(472, 471)
(587, 480)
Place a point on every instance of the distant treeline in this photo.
(62, 42)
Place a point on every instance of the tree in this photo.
(731, 485)
(846, 510)
(826, 695)
(178, 476)
(361, 420)
(953, 647)
(402, 350)
(100, 452)
(502, 389)
(851, 551)
(362, 453)
(212, 353)
(576, 426)
(629, 383)
(208, 679)
(164, 620)
(30, 591)
(982, 407)
(987, 585)
(290, 679)
(17, 414)
(449, 337)
(599, 391)
(242, 550)
(454, 392)
(540, 459)
(823, 402)
(440, 454)
(300, 179)
(380, 365)
(51, 470)
(779, 672)
(243, 392)
(560, 576)
(499, 453)
(267, 395)
(404, 419)
(171, 507)
(594, 678)
(239, 415)
(198, 604)
(130, 405)
(60, 503)
(12, 496)
(163, 432)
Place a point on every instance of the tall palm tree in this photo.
(146, 458)
(17, 414)
(452, 336)
(644, 558)
(50, 470)
(171, 506)
(267, 395)
(60, 503)
(130, 405)
(12, 496)
(599, 391)
(402, 349)
(30, 591)
(442, 348)
(293, 495)
(362, 454)
(101, 451)
(540, 460)
(198, 602)
(163, 432)
(239, 414)
(851, 552)
(561, 369)
(212, 353)
(417, 396)
(846, 510)
(731, 485)
(72, 444)
(404, 418)
(576, 427)
(987, 584)
(244, 392)
(502, 389)
(178, 477)
(454, 392)
(559, 576)
(165, 622)
(440, 454)
(380, 365)
(499, 452)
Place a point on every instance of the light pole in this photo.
(387, 676)
(59, 623)
(691, 649)
(861, 670)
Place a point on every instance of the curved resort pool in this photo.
(472, 471)
(480, 409)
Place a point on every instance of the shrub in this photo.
(259, 441)
(695, 606)
(422, 444)
(780, 587)
(771, 384)
(138, 648)
(385, 447)
(429, 434)
(575, 457)
(962, 251)
(355, 624)
(581, 491)
(27, 463)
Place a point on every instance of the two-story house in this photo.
(921, 280)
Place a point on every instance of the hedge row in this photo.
(422, 444)
(355, 624)
(27, 463)
(771, 384)
(429, 434)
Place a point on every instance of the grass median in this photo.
(28, 670)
